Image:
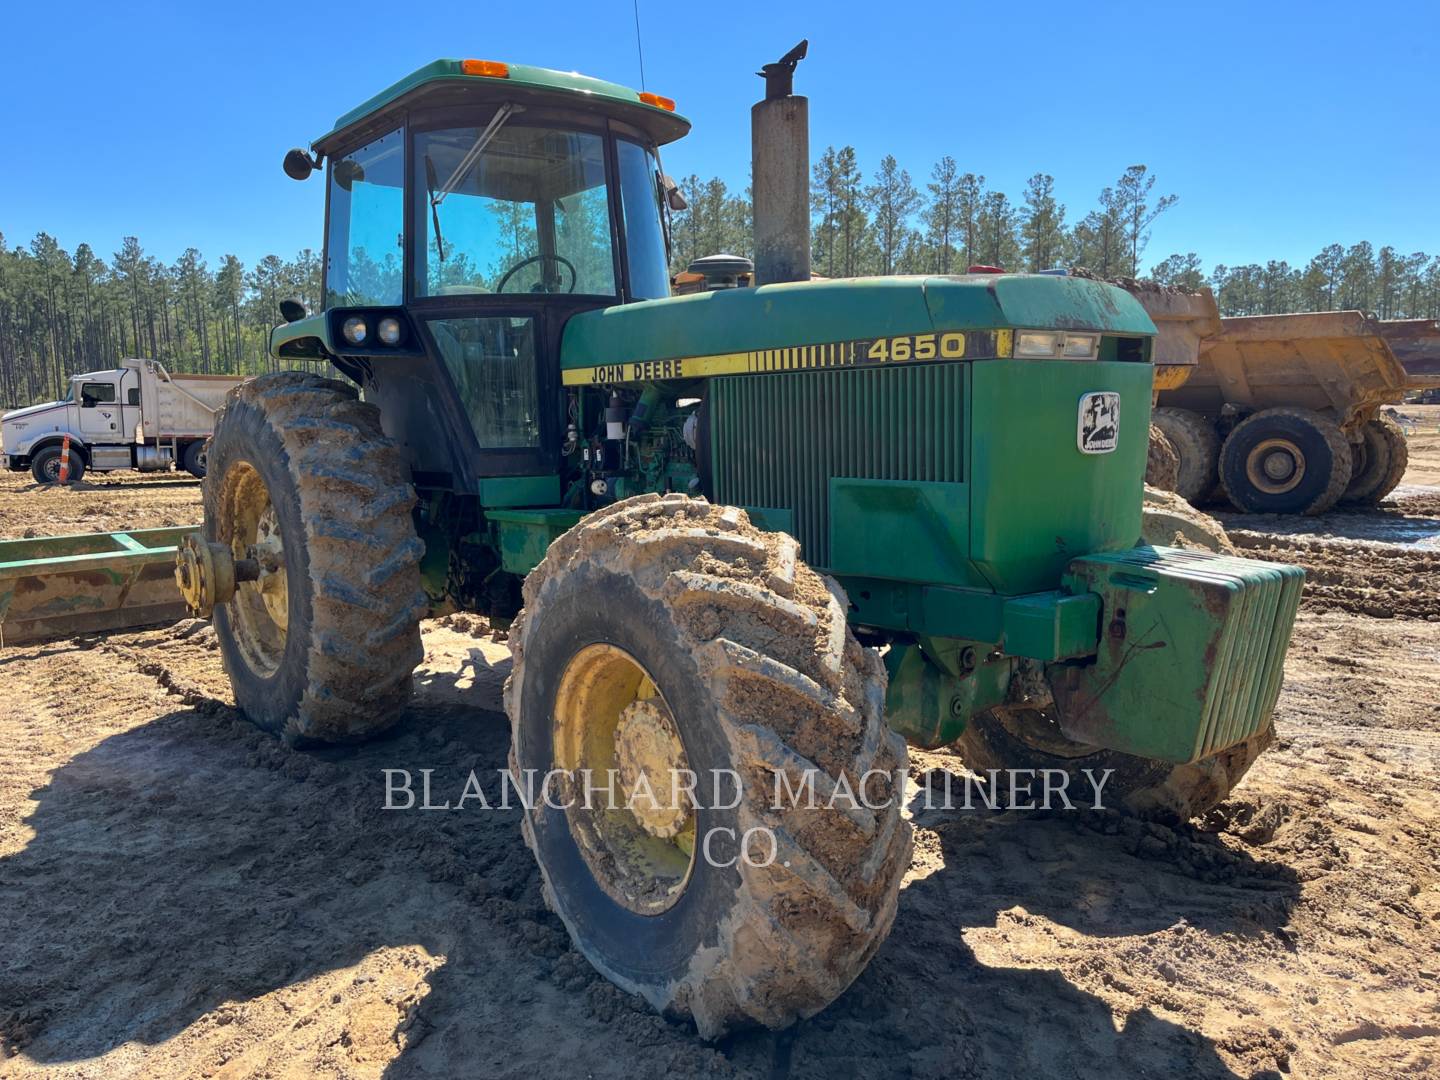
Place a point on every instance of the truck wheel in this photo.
(1160, 791)
(322, 646)
(1285, 461)
(1198, 447)
(665, 634)
(194, 459)
(45, 465)
(1380, 460)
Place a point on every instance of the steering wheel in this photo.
(574, 277)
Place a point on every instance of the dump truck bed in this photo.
(179, 405)
(1336, 362)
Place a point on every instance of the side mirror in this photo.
(299, 165)
(348, 173)
(673, 198)
(291, 309)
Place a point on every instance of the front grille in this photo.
(776, 440)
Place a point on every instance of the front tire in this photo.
(45, 465)
(321, 647)
(1160, 791)
(1285, 461)
(672, 624)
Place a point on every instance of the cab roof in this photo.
(557, 88)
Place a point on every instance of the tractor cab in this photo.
(471, 210)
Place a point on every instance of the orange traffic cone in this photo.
(65, 461)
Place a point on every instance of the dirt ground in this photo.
(182, 896)
(102, 502)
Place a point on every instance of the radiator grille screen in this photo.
(776, 440)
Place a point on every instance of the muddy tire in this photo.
(321, 649)
(1285, 461)
(1380, 461)
(1023, 738)
(45, 465)
(1162, 464)
(747, 656)
(1197, 446)
(193, 460)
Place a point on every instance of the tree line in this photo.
(888, 224)
(62, 313)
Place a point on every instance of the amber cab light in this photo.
(668, 104)
(491, 69)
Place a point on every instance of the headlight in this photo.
(389, 331)
(355, 330)
(1037, 343)
(1050, 343)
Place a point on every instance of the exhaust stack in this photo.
(780, 174)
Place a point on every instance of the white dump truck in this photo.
(135, 416)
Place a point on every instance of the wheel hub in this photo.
(1275, 466)
(612, 723)
(650, 758)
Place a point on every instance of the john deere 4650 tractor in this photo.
(766, 534)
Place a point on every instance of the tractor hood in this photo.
(793, 314)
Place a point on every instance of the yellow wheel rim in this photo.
(617, 742)
(1275, 466)
(260, 612)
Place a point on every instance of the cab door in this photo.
(99, 410)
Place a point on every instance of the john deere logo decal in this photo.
(1098, 427)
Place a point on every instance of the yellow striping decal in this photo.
(870, 352)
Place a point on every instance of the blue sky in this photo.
(1282, 126)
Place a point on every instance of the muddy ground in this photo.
(181, 896)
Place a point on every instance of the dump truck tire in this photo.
(45, 465)
(1162, 463)
(1197, 446)
(1159, 791)
(194, 459)
(743, 657)
(298, 457)
(1380, 461)
(1285, 461)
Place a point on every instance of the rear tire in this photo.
(1159, 791)
(1285, 461)
(1198, 447)
(45, 465)
(749, 654)
(1380, 462)
(194, 459)
(321, 648)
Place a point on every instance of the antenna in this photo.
(639, 48)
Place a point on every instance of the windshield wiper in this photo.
(434, 206)
(473, 154)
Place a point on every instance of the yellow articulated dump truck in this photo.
(1281, 414)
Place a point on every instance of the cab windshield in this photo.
(513, 208)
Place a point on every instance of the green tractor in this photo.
(766, 534)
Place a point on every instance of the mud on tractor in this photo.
(766, 532)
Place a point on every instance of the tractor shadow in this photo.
(191, 863)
